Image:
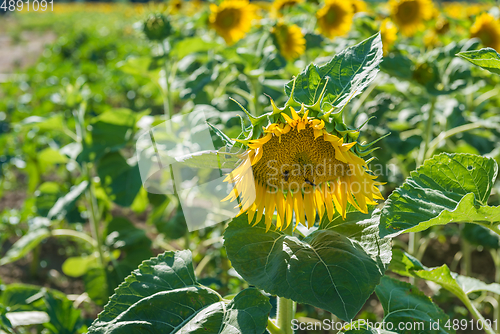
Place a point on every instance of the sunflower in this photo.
(487, 29)
(388, 32)
(410, 15)
(301, 169)
(442, 25)
(358, 6)
(290, 40)
(335, 18)
(280, 5)
(232, 19)
(455, 10)
(175, 6)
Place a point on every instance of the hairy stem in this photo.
(286, 313)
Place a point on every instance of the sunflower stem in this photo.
(495, 254)
(255, 91)
(167, 93)
(286, 313)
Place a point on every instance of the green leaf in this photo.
(77, 266)
(67, 202)
(447, 188)
(123, 235)
(486, 58)
(16, 296)
(348, 73)
(64, 318)
(210, 159)
(22, 246)
(26, 318)
(191, 45)
(140, 66)
(406, 265)
(50, 123)
(121, 181)
(24, 297)
(335, 268)
(46, 197)
(111, 131)
(49, 157)
(96, 285)
(163, 296)
(478, 235)
(404, 304)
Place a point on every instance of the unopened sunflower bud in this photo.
(157, 27)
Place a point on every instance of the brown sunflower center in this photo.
(332, 14)
(228, 18)
(488, 36)
(298, 161)
(408, 11)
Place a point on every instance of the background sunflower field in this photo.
(80, 81)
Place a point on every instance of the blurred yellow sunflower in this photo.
(410, 15)
(232, 19)
(175, 6)
(455, 10)
(431, 40)
(487, 29)
(388, 32)
(280, 5)
(442, 25)
(358, 6)
(335, 18)
(290, 40)
(301, 169)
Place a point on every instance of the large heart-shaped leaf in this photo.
(407, 310)
(335, 268)
(486, 58)
(447, 188)
(348, 74)
(163, 296)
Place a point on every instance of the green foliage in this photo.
(486, 58)
(164, 296)
(25, 244)
(405, 304)
(346, 75)
(447, 188)
(335, 268)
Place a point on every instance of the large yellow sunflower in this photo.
(487, 29)
(388, 32)
(232, 19)
(411, 15)
(290, 40)
(300, 169)
(335, 18)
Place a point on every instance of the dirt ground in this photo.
(20, 50)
